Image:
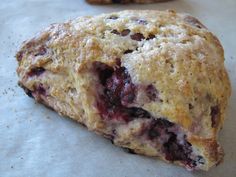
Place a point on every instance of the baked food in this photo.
(151, 81)
(121, 1)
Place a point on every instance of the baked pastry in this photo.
(153, 82)
(121, 1)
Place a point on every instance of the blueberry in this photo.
(137, 37)
(115, 32)
(152, 92)
(151, 36)
(36, 71)
(125, 32)
(128, 51)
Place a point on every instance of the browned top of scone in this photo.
(174, 52)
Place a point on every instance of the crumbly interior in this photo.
(153, 82)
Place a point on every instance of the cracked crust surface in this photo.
(174, 53)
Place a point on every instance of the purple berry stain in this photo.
(113, 104)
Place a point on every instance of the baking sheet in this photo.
(35, 141)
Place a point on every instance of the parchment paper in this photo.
(36, 142)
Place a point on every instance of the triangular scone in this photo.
(153, 82)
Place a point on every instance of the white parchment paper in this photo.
(36, 142)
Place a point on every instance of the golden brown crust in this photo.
(173, 52)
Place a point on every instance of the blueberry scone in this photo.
(122, 1)
(153, 82)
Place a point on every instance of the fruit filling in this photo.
(36, 71)
(114, 104)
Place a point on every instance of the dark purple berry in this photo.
(36, 71)
(115, 32)
(152, 92)
(40, 89)
(137, 37)
(104, 71)
(138, 113)
(141, 21)
(128, 51)
(175, 151)
(125, 32)
(151, 36)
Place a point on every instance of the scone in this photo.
(151, 81)
(122, 1)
